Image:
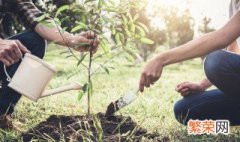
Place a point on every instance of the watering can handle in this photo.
(8, 76)
(6, 73)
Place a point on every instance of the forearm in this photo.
(212, 41)
(192, 49)
(52, 32)
(205, 84)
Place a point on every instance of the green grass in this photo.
(152, 110)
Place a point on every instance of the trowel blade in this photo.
(121, 102)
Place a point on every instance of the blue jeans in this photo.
(8, 97)
(222, 68)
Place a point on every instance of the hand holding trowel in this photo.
(128, 98)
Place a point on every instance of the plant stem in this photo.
(89, 93)
(89, 82)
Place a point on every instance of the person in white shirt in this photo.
(222, 69)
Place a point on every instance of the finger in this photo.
(185, 93)
(179, 85)
(5, 62)
(142, 82)
(84, 40)
(156, 77)
(184, 90)
(95, 42)
(88, 34)
(153, 78)
(152, 82)
(95, 46)
(22, 47)
(9, 59)
(148, 80)
(18, 53)
(81, 34)
(13, 56)
(91, 34)
(184, 85)
(177, 89)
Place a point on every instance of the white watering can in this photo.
(33, 76)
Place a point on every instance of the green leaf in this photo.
(130, 58)
(80, 26)
(64, 52)
(111, 2)
(80, 95)
(113, 30)
(140, 31)
(105, 69)
(47, 24)
(143, 26)
(111, 9)
(56, 20)
(63, 30)
(87, 1)
(130, 17)
(135, 17)
(81, 45)
(132, 27)
(146, 41)
(122, 38)
(67, 18)
(80, 60)
(104, 46)
(125, 19)
(100, 4)
(118, 40)
(61, 9)
(41, 18)
(108, 20)
(68, 56)
(90, 87)
(128, 32)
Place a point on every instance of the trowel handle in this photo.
(73, 86)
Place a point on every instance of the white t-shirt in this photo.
(233, 9)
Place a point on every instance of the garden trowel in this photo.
(128, 98)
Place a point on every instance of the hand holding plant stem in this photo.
(81, 42)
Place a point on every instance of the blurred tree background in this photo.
(177, 29)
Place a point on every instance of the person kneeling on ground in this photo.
(33, 41)
(222, 69)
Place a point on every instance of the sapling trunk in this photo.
(89, 93)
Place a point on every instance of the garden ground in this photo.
(153, 109)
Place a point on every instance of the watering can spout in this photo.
(72, 86)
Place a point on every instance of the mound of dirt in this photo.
(79, 128)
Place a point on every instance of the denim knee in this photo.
(180, 111)
(38, 45)
(215, 66)
(34, 43)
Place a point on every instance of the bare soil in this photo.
(79, 128)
